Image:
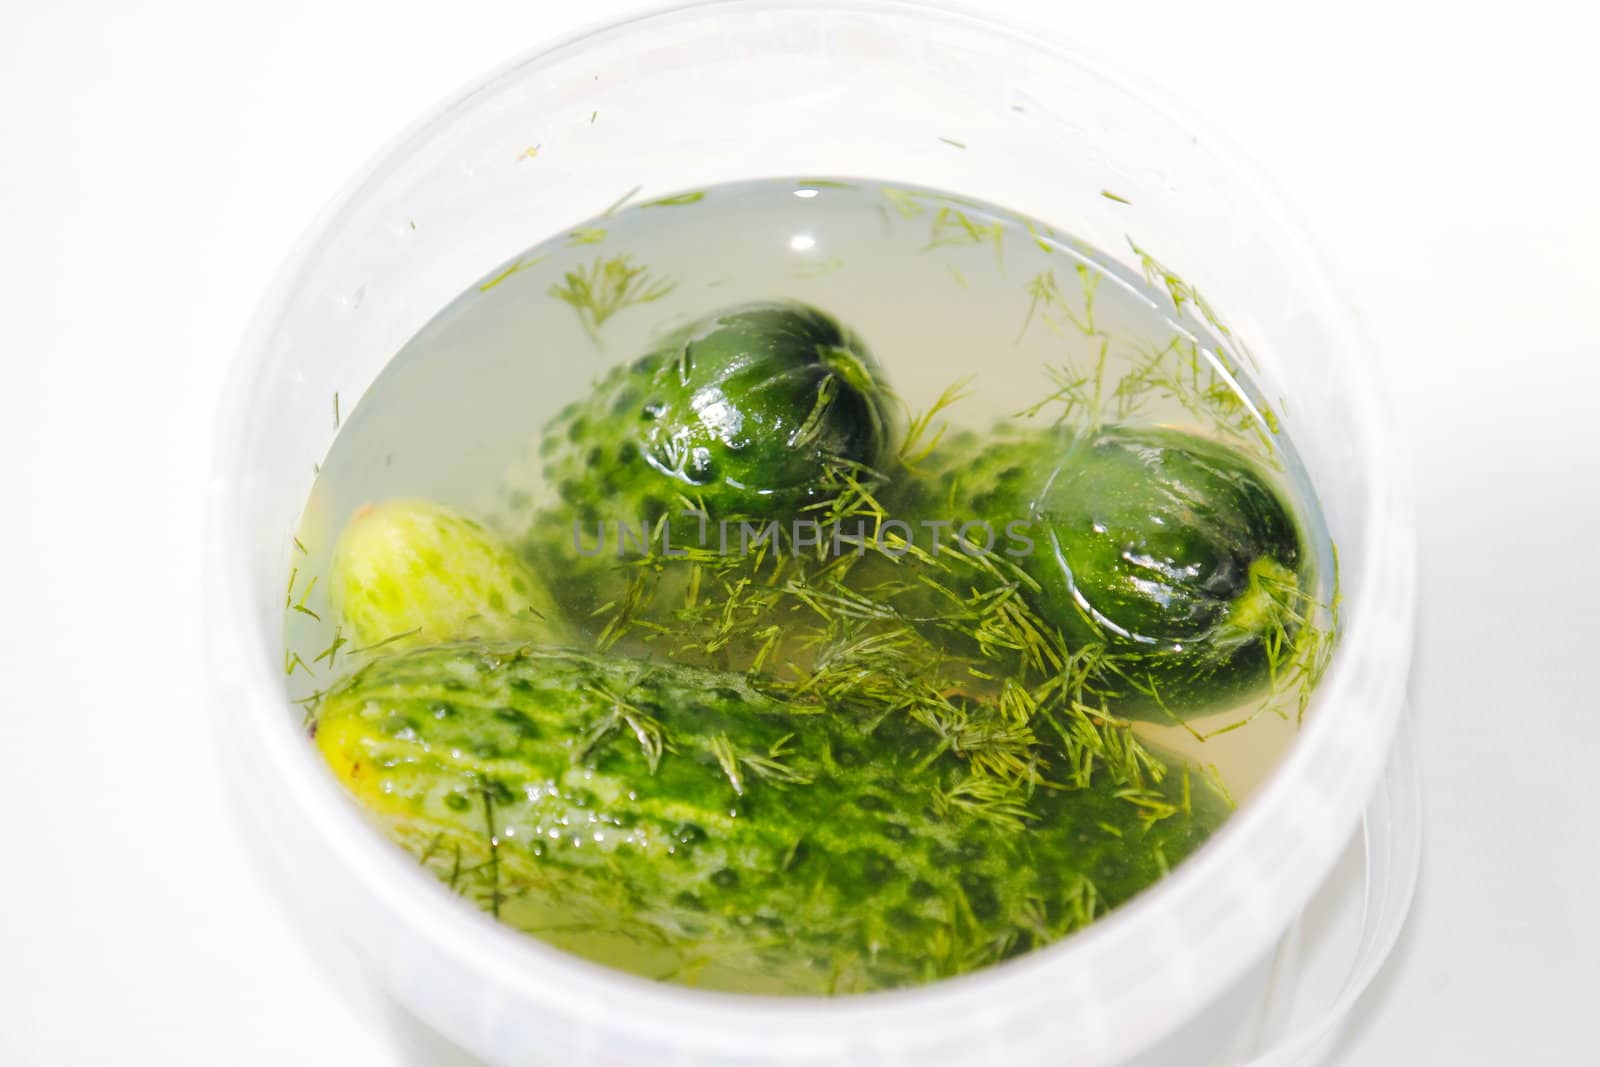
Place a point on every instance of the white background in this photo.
(157, 160)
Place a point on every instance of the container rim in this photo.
(1118, 984)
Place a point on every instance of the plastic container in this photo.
(1188, 973)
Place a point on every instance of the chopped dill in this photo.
(606, 287)
(908, 202)
(1043, 237)
(952, 142)
(868, 632)
(586, 236)
(984, 797)
(771, 767)
(616, 205)
(623, 616)
(455, 869)
(918, 443)
(959, 278)
(310, 700)
(1071, 391)
(332, 651)
(1045, 295)
(728, 760)
(1180, 291)
(645, 729)
(519, 265)
(299, 547)
(391, 639)
(292, 660)
(300, 605)
(954, 227)
(818, 268)
(433, 846)
(493, 837)
(679, 200)
(1109, 195)
(592, 116)
(1214, 778)
(1202, 381)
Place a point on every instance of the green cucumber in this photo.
(1174, 555)
(758, 410)
(695, 811)
(416, 572)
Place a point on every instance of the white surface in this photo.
(155, 165)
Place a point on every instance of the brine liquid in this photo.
(939, 288)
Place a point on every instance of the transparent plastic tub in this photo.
(1212, 965)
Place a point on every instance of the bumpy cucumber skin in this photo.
(752, 411)
(419, 573)
(825, 860)
(1174, 551)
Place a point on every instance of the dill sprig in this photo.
(385, 642)
(1071, 392)
(1200, 379)
(818, 268)
(1203, 379)
(947, 643)
(617, 204)
(954, 227)
(1204, 384)
(1044, 238)
(1044, 294)
(728, 760)
(918, 442)
(492, 835)
(908, 202)
(913, 203)
(300, 605)
(606, 287)
(517, 267)
(622, 714)
(679, 200)
(1180, 291)
(332, 651)
(985, 798)
(771, 767)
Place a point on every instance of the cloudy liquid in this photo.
(939, 288)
